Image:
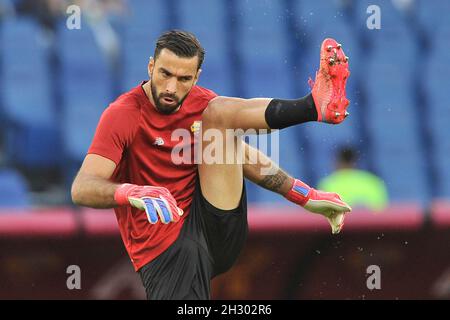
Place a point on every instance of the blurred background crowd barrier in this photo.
(56, 81)
(289, 255)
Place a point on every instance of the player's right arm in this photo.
(92, 187)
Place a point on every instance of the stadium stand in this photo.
(86, 88)
(14, 190)
(143, 25)
(32, 127)
(254, 48)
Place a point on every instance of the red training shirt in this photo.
(133, 134)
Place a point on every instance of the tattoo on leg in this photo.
(274, 182)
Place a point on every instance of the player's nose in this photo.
(171, 86)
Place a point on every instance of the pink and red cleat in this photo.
(328, 89)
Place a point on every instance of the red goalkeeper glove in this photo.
(155, 201)
(327, 204)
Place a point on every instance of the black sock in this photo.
(285, 113)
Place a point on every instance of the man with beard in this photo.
(183, 224)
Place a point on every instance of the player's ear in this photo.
(197, 76)
(151, 65)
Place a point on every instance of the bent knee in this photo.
(213, 115)
(220, 112)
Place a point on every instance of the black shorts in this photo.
(209, 243)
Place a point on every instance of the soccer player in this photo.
(184, 223)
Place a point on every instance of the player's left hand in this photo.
(328, 204)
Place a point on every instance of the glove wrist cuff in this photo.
(299, 193)
(121, 194)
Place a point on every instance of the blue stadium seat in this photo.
(391, 108)
(314, 21)
(86, 88)
(331, 22)
(146, 21)
(13, 190)
(319, 20)
(325, 140)
(312, 15)
(396, 47)
(441, 42)
(392, 16)
(429, 15)
(28, 96)
(436, 85)
(262, 46)
(309, 58)
(395, 136)
(212, 33)
(403, 174)
(442, 168)
(395, 40)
